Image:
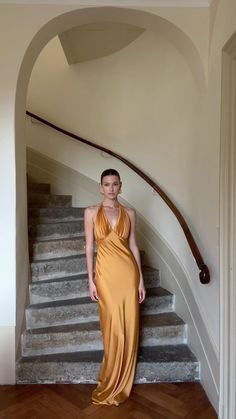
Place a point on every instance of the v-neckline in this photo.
(108, 222)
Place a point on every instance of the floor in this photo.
(66, 401)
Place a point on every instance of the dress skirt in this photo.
(117, 282)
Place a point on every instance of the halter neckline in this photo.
(108, 222)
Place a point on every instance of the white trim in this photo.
(227, 407)
(117, 3)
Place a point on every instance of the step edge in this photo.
(75, 301)
(74, 326)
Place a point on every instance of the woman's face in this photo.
(110, 186)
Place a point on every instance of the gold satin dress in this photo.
(117, 282)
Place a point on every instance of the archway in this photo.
(48, 31)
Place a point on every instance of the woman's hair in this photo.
(110, 172)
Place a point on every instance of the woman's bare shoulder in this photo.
(92, 210)
(131, 211)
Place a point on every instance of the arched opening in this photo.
(51, 29)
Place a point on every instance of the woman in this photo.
(118, 287)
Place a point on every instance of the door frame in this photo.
(227, 406)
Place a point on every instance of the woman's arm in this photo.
(89, 239)
(134, 249)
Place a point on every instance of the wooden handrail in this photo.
(204, 274)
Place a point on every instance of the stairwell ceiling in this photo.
(95, 40)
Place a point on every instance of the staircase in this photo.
(62, 342)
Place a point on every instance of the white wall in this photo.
(63, 179)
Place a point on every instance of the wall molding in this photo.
(227, 403)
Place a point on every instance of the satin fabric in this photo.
(117, 281)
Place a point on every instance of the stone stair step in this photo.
(54, 215)
(49, 201)
(58, 267)
(41, 188)
(76, 286)
(83, 310)
(157, 329)
(48, 249)
(52, 231)
(167, 363)
(59, 313)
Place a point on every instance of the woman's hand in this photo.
(93, 291)
(141, 292)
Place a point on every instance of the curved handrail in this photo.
(204, 273)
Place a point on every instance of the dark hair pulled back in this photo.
(110, 172)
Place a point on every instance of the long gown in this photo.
(117, 281)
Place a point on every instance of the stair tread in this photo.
(56, 259)
(35, 187)
(61, 303)
(83, 275)
(165, 353)
(49, 200)
(76, 277)
(146, 320)
(150, 292)
(57, 213)
(58, 222)
(46, 209)
(63, 239)
(36, 194)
